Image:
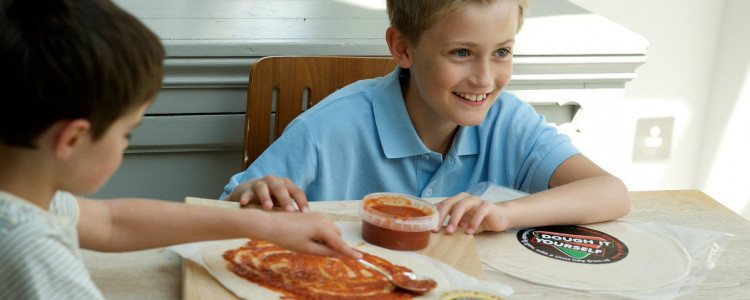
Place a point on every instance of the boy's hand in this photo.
(270, 191)
(310, 233)
(471, 212)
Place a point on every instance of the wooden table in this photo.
(155, 274)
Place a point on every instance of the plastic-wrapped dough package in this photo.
(691, 252)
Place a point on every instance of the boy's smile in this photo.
(473, 99)
(460, 65)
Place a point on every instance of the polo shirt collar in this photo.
(466, 141)
(396, 132)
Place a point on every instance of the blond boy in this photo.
(438, 125)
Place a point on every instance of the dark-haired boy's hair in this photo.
(72, 59)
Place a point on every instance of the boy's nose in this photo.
(481, 74)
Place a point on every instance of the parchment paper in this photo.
(351, 233)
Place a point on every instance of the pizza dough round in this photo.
(653, 260)
(246, 289)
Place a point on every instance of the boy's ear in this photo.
(69, 136)
(399, 47)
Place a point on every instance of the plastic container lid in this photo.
(389, 221)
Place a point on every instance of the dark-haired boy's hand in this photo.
(270, 191)
(309, 233)
(472, 213)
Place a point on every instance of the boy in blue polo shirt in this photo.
(436, 126)
(77, 77)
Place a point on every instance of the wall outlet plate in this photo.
(653, 138)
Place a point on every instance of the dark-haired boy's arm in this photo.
(135, 224)
(582, 193)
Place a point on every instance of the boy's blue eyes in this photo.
(461, 52)
(502, 52)
(464, 52)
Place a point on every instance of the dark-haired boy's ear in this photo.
(69, 136)
(399, 47)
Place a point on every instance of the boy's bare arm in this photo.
(582, 193)
(135, 224)
(587, 200)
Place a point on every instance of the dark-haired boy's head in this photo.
(72, 59)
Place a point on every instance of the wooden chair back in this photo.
(282, 87)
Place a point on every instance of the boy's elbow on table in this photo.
(622, 198)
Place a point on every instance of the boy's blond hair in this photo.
(413, 17)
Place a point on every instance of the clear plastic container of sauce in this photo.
(397, 221)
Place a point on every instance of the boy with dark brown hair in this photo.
(77, 77)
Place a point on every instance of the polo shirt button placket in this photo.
(428, 192)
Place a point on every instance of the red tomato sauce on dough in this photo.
(304, 276)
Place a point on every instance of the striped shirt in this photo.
(39, 253)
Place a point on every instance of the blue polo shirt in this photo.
(360, 140)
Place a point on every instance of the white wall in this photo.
(698, 71)
(725, 157)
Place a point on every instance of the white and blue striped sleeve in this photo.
(36, 264)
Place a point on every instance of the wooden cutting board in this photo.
(458, 250)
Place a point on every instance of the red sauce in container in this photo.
(397, 221)
(398, 211)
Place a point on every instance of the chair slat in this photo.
(291, 76)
